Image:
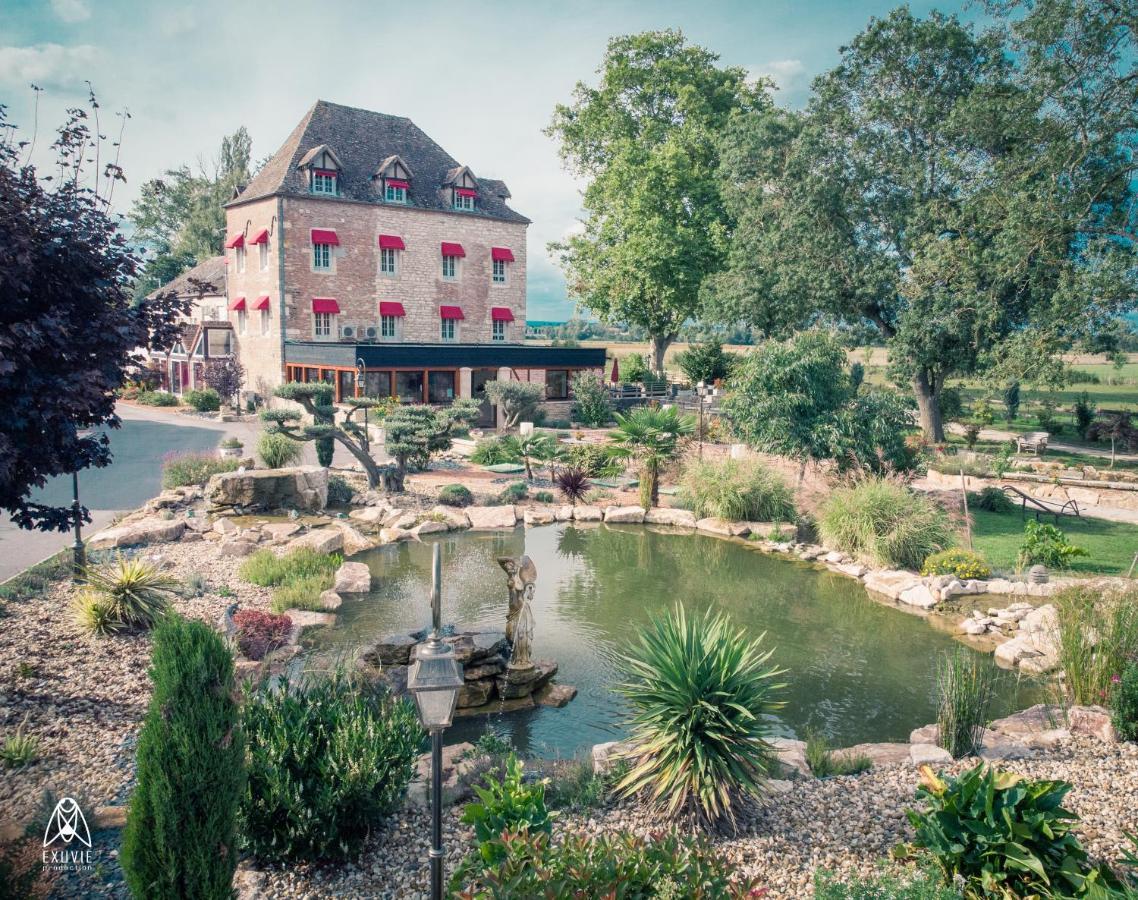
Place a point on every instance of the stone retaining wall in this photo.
(1087, 493)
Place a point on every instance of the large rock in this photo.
(237, 548)
(322, 540)
(929, 755)
(475, 693)
(918, 595)
(891, 582)
(1092, 720)
(486, 645)
(302, 487)
(880, 754)
(608, 754)
(354, 541)
(455, 519)
(144, 531)
(429, 527)
(330, 600)
(539, 516)
(369, 515)
(555, 695)
(630, 514)
(278, 532)
(715, 525)
(792, 756)
(225, 526)
(394, 535)
(588, 514)
(484, 518)
(680, 518)
(563, 513)
(390, 650)
(352, 578)
(307, 618)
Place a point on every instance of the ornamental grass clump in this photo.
(1002, 835)
(327, 761)
(884, 523)
(181, 831)
(735, 490)
(1098, 637)
(278, 451)
(964, 686)
(701, 693)
(184, 469)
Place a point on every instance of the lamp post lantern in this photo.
(361, 387)
(434, 681)
(78, 551)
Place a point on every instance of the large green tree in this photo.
(180, 216)
(937, 187)
(645, 141)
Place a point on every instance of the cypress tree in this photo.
(181, 833)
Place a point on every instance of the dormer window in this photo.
(324, 182)
(395, 191)
(464, 198)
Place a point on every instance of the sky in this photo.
(481, 78)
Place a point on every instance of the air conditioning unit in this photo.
(348, 331)
(371, 332)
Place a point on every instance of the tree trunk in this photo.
(371, 468)
(529, 469)
(649, 485)
(929, 409)
(660, 345)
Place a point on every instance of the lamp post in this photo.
(360, 388)
(78, 551)
(434, 680)
(701, 392)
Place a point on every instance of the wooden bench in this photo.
(1032, 441)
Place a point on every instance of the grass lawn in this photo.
(1111, 545)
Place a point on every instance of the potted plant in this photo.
(230, 448)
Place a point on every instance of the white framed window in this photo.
(388, 327)
(463, 201)
(447, 330)
(393, 194)
(322, 257)
(450, 267)
(324, 183)
(322, 324)
(498, 275)
(497, 331)
(240, 259)
(242, 321)
(263, 250)
(388, 262)
(211, 313)
(264, 321)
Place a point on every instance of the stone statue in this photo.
(521, 582)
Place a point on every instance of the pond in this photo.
(857, 670)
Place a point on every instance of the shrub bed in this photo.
(327, 761)
(736, 490)
(156, 398)
(964, 564)
(300, 577)
(205, 400)
(185, 469)
(884, 523)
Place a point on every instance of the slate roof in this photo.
(211, 271)
(362, 140)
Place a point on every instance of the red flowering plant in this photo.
(260, 633)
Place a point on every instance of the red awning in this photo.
(466, 192)
(238, 303)
(396, 183)
(325, 305)
(501, 314)
(238, 240)
(262, 302)
(502, 254)
(324, 236)
(387, 308)
(453, 249)
(451, 312)
(262, 237)
(391, 242)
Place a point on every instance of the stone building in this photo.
(362, 254)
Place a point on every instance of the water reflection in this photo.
(857, 670)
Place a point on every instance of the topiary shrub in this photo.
(455, 495)
(702, 696)
(260, 633)
(735, 490)
(340, 493)
(964, 564)
(327, 761)
(205, 400)
(325, 450)
(884, 523)
(181, 831)
(278, 451)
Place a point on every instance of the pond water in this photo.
(857, 670)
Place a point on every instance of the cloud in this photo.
(71, 11)
(48, 64)
(173, 22)
(787, 74)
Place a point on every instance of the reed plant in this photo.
(825, 762)
(964, 685)
(1098, 636)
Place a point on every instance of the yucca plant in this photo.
(573, 483)
(702, 693)
(94, 615)
(651, 436)
(135, 593)
(19, 749)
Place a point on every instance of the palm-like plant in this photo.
(536, 448)
(651, 436)
(702, 693)
(573, 483)
(133, 591)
